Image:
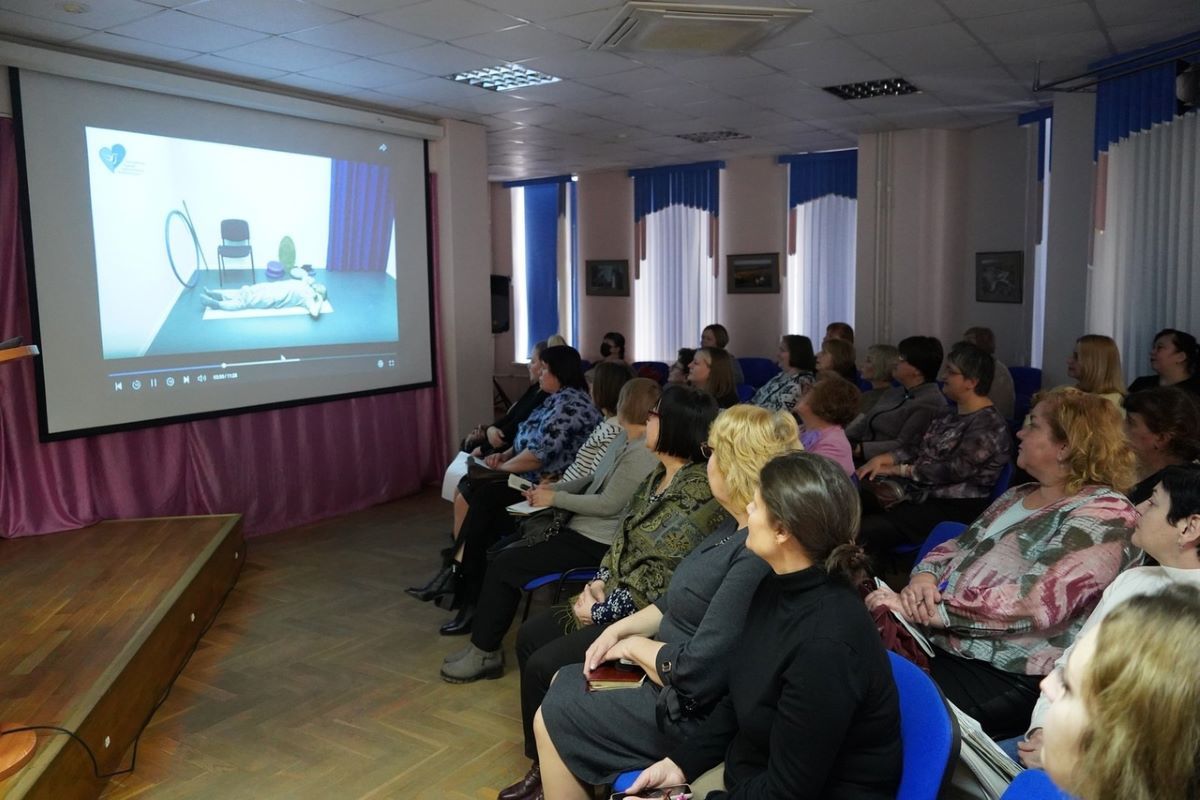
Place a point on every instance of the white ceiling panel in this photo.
(545, 10)
(113, 43)
(363, 73)
(438, 59)
(25, 26)
(445, 20)
(360, 37)
(973, 59)
(176, 29)
(947, 35)
(521, 43)
(285, 54)
(237, 69)
(267, 16)
(99, 14)
(581, 64)
(879, 16)
(361, 7)
(1051, 21)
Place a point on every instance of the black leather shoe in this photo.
(531, 783)
(461, 624)
(439, 584)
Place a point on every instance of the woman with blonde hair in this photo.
(712, 370)
(877, 368)
(684, 641)
(1125, 719)
(1005, 598)
(1095, 364)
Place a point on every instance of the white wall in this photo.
(464, 242)
(1069, 230)
(1002, 206)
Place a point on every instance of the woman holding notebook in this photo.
(683, 641)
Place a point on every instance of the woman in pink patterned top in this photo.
(1004, 599)
(825, 410)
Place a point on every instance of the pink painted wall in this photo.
(753, 220)
(605, 232)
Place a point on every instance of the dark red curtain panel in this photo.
(278, 468)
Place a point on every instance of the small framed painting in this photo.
(608, 278)
(752, 273)
(999, 277)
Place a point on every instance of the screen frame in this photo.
(26, 221)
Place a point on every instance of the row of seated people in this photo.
(628, 599)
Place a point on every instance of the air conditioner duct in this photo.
(688, 29)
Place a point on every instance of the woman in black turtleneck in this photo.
(812, 710)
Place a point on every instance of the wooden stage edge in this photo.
(97, 624)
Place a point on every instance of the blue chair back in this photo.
(757, 371)
(1027, 381)
(654, 370)
(1033, 784)
(625, 780)
(744, 392)
(942, 532)
(1002, 482)
(928, 733)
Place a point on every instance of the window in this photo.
(675, 288)
(545, 300)
(822, 213)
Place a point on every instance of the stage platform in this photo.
(94, 626)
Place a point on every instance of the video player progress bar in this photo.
(227, 364)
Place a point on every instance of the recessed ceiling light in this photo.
(503, 78)
(863, 90)
(76, 8)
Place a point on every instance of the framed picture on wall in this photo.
(999, 277)
(752, 273)
(608, 278)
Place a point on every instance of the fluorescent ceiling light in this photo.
(503, 78)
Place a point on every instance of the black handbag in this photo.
(533, 530)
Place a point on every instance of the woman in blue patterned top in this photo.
(545, 444)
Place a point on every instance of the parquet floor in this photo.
(319, 679)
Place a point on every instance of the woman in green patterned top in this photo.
(671, 512)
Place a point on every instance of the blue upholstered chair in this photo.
(757, 371)
(928, 733)
(1033, 784)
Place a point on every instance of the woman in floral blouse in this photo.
(798, 367)
(950, 474)
(1005, 598)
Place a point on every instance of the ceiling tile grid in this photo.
(973, 60)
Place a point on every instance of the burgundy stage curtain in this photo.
(278, 468)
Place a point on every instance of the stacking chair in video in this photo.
(235, 243)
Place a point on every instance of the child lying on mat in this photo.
(304, 292)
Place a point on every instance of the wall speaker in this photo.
(501, 288)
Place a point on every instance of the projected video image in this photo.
(204, 247)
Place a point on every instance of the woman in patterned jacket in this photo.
(1004, 599)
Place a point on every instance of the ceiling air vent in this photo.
(702, 30)
(708, 137)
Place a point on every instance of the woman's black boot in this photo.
(439, 584)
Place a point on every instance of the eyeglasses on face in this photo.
(706, 449)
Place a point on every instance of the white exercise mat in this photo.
(247, 313)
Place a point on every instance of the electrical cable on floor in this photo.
(241, 559)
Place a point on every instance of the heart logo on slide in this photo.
(112, 156)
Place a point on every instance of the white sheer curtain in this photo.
(1147, 252)
(520, 317)
(820, 274)
(675, 295)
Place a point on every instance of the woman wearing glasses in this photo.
(671, 512)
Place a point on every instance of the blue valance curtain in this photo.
(1128, 103)
(696, 185)
(813, 175)
(545, 204)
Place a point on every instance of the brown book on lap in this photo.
(613, 675)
